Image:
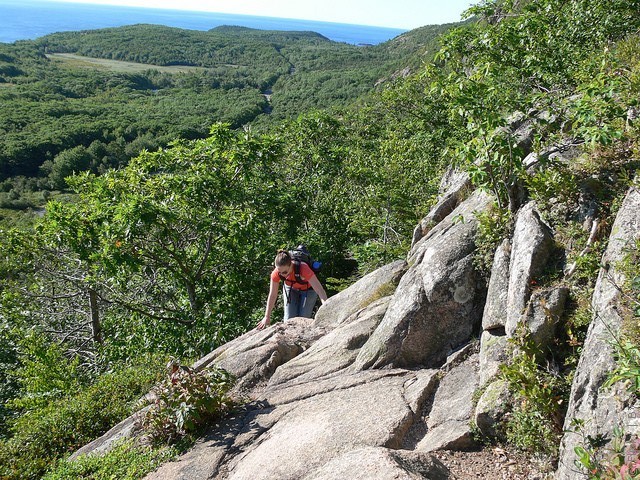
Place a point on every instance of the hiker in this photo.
(301, 288)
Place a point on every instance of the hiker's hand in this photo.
(265, 322)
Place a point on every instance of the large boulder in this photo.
(531, 246)
(495, 310)
(449, 420)
(598, 408)
(454, 187)
(438, 302)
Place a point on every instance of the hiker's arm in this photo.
(271, 302)
(317, 286)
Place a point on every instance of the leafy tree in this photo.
(162, 236)
(76, 159)
(541, 55)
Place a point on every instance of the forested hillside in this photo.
(64, 113)
(169, 254)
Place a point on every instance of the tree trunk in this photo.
(96, 330)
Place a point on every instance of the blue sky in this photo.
(406, 14)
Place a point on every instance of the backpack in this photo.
(301, 254)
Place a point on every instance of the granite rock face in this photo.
(438, 302)
(531, 247)
(602, 409)
(449, 426)
(453, 188)
(377, 284)
(382, 464)
(495, 310)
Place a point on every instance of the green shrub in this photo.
(185, 401)
(44, 434)
(627, 369)
(45, 373)
(529, 429)
(626, 346)
(535, 424)
(493, 227)
(619, 461)
(553, 185)
(630, 267)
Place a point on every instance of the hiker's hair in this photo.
(283, 258)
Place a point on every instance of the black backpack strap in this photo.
(286, 295)
(296, 271)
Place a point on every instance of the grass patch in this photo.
(382, 291)
(78, 61)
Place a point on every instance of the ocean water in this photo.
(30, 19)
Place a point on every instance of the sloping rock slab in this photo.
(313, 428)
(253, 357)
(602, 409)
(204, 459)
(381, 464)
(448, 421)
(336, 350)
(377, 284)
(438, 301)
(320, 428)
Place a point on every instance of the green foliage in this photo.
(168, 232)
(578, 317)
(631, 288)
(493, 227)
(626, 347)
(125, 461)
(620, 461)
(9, 387)
(627, 369)
(553, 184)
(40, 436)
(44, 373)
(545, 55)
(54, 107)
(530, 430)
(171, 252)
(535, 423)
(186, 401)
